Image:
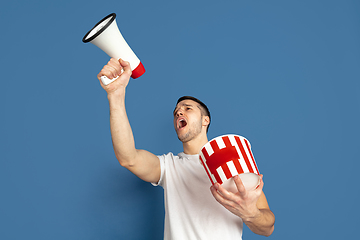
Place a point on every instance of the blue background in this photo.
(284, 74)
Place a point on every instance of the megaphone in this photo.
(106, 36)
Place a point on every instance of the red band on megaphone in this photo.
(138, 71)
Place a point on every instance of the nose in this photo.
(179, 113)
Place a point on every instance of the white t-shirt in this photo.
(191, 211)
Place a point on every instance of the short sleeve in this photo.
(162, 169)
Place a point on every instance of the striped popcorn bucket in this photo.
(227, 156)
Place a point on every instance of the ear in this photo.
(206, 121)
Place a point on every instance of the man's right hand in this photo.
(116, 68)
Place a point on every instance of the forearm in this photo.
(262, 223)
(121, 133)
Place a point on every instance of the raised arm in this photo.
(142, 163)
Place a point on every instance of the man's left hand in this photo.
(243, 203)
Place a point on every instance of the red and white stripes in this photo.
(227, 156)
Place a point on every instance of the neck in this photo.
(194, 146)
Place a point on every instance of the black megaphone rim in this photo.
(112, 16)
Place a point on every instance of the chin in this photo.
(188, 134)
(187, 137)
(184, 138)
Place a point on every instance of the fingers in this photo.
(243, 203)
(220, 194)
(107, 71)
(114, 68)
(125, 65)
(240, 186)
(261, 185)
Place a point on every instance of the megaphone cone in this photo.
(106, 36)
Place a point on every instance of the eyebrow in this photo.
(184, 104)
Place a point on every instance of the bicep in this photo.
(147, 166)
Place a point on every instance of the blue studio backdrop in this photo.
(283, 74)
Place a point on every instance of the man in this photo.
(192, 211)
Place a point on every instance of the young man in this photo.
(192, 210)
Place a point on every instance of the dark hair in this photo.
(205, 108)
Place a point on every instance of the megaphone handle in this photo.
(106, 81)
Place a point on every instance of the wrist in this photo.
(252, 217)
(116, 99)
(118, 94)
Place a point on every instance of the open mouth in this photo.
(182, 123)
